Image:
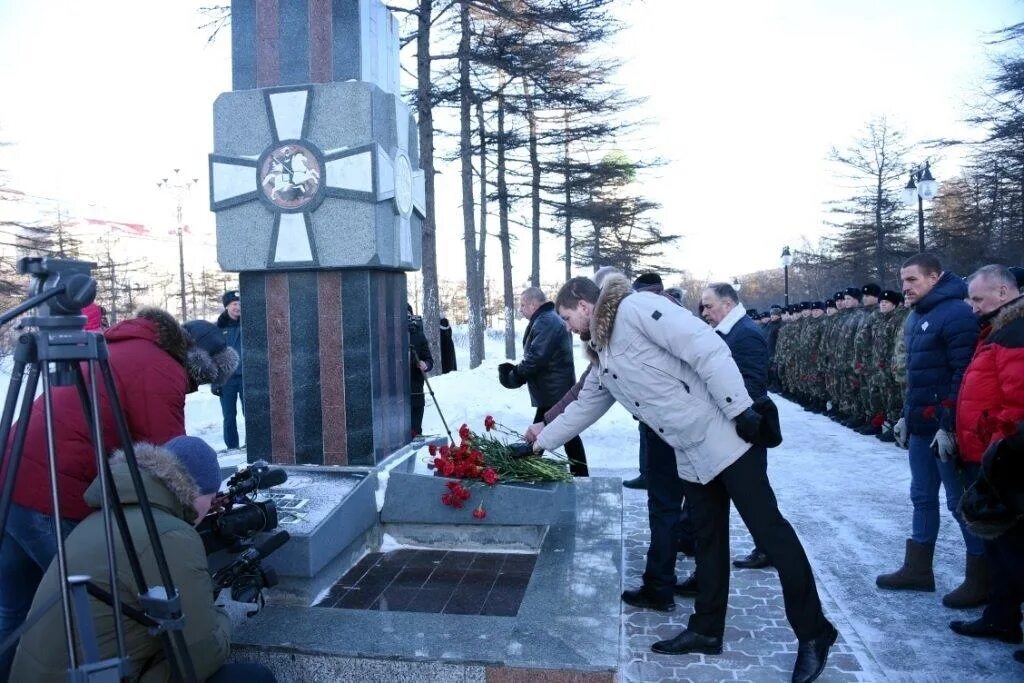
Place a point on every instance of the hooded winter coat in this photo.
(667, 368)
(146, 359)
(940, 335)
(42, 654)
(547, 367)
(991, 397)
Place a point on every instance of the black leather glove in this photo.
(507, 375)
(748, 426)
(215, 389)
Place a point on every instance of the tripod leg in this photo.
(14, 456)
(172, 601)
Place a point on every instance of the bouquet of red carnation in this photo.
(488, 460)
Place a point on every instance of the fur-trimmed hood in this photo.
(168, 484)
(157, 326)
(206, 368)
(1007, 313)
(615, 288)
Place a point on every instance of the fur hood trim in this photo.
(169, 334)
(1012, 310)
(164, 466)
(216, 369)
(615, 288)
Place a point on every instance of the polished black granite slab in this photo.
(435, 581)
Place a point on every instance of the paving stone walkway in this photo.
(759, 644)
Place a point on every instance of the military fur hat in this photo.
(830, 303)
(838, 296)
(854, 292)
(892, 297)
(871, 289)
(820, 305)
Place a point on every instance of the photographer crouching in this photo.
(181, 479)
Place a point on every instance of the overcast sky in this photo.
(745, 99)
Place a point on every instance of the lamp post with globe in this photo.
(920, 187)
(785, 259)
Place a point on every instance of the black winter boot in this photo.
(975, 589)
(916, 572)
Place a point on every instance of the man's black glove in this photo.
(748, 425)
(507, 376)
(215, 389)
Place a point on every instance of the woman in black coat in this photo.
(448, 363)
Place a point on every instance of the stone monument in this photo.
(319, 201)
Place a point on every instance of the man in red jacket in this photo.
(148, 358)
(991, 396)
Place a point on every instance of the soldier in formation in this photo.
(842, 357)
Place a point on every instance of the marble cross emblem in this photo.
(292, 176)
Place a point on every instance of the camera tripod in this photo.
(54, 354)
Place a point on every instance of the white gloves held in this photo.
(900, 432)
(944, 446)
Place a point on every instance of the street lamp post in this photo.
(180, 188)
(921, 186)
(736, 284)
(785, 260)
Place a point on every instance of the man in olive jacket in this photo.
(181, 480)
(672, 372)
(547, 367)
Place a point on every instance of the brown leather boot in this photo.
(975, 589)
(916, 572)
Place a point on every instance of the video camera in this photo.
(237, 519)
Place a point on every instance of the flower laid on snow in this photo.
(479, 513)
(489, 423)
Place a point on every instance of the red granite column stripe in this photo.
(321, 37)
(279, 362)
(268, 43)
(332, 369)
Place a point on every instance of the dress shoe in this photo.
(811, 656)
(979, 628)
(689, 642)
(687, 587)
(757, 559)
(638, 483)
(643, 598)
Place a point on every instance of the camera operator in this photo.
(155, 362)
(181, 479)
(420, 363)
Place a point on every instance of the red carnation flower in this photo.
(929, 412)
(447, 499)
(432, 449)
(464, 432)
(448, 468)
(489, 423)
(445, 451)
(878, 420)
(480, 513)
(489, 476)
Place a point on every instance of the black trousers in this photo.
(664, 508)
(416, 408)
(573, 448)
(746, 484)
(1006, 558)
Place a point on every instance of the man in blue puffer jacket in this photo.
(940, 332)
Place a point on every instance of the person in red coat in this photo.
(991, 397)
(155, 362)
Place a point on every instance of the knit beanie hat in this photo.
(229, 297)
(199, 459)
(209, 358)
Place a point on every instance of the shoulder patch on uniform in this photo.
(656, 315)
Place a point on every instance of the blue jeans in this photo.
(28, 547)
(230, 395)
(926, 473)
(664, 506)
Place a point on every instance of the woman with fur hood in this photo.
(155, 363)
(677, 376)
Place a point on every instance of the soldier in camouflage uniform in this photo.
(849, 384)
(829, 341)
(894, 402)
(871, 410)
(784, 352)
(810, 344)
(884, 389)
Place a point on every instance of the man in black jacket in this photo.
(230, 323)
(420, 363)
(547, 367)
(721, 307)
